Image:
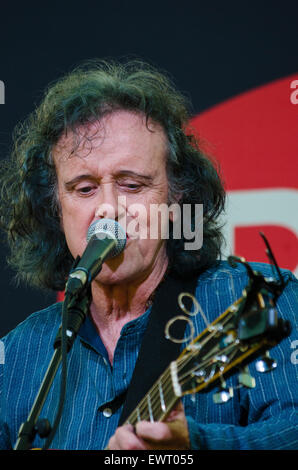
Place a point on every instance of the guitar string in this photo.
(154, 395)
(142, 410)
(202, 365)
(169, 395)
(154, 392)
(168, 392)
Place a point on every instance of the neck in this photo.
(112, 302)
(113, 305)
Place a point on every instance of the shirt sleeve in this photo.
(4, 434)
(271, 408)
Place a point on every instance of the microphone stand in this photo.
(75, 307)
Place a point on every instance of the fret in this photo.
(166, 393)
(158, 401)
(145, 413)
(150, 408)
(161, 396)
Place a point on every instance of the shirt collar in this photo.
(89, 335)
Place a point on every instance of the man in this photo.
(105, 140)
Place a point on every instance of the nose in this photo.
(107, 203)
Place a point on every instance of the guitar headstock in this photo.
(247, 330)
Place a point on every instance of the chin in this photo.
(114, 273)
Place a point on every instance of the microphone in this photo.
(106, 239)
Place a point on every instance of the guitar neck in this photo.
(158, 402)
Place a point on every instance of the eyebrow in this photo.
(134, 174)
(77, 179)
(122, 173)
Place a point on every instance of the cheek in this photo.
(150, 222)
(152, 249)
(146, 207)
(75, 224)
(73, 210)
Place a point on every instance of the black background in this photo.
(212, 50)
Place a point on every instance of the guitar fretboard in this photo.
(157, 403)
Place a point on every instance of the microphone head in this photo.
(108, 228)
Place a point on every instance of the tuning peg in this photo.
(224, 394)
(266, 363)
(245, 379)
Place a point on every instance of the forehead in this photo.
(118, 135)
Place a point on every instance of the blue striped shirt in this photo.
(261, 418)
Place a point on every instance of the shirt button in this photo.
(107, 412)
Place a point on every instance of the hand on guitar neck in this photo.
(172, 434)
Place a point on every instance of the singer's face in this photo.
(116, 169)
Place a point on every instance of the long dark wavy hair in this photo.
(29, 206)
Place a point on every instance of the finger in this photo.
(153, 431)
(171, 435)
(176, 413)
(126, 439)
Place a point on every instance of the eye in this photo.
(85, 190)
(133, 186)
(130, 186)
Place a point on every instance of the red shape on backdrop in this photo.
(254, 138)
(282, 241)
